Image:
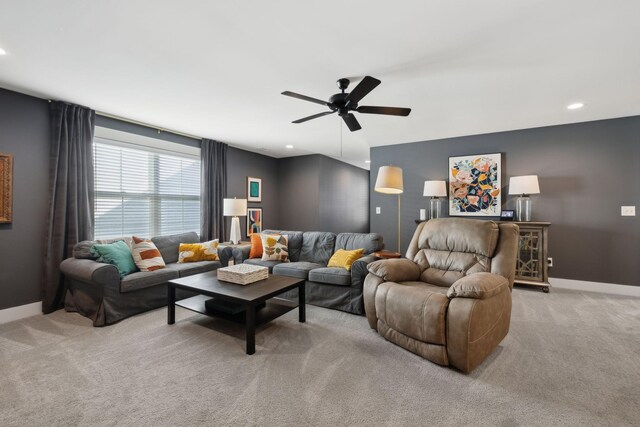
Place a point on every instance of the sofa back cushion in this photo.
(169, 245)
(82, 250)
(451, 248)
(370, 242)
(317, 246)
(295, 242)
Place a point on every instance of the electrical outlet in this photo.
(628, 211)
(549, 262)
(378, 210)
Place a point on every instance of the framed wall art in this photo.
(254, 221)
(254, 189)
(6, 188)
(475, 185)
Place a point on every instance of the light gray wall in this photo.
(586, 172)
(24, 132)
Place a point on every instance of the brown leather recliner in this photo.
(450, 300)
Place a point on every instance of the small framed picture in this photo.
(254, 189)
(254, 221)
(507, 215)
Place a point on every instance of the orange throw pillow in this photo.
(256, 246)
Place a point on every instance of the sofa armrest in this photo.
(240, 254)
(359, 268)
(224, 255)
(395, 270)
(90, 271)
(478, 286)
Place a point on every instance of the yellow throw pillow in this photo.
(275, 247)
(344, 259)
(193, 252)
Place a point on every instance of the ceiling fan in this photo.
(344, 103)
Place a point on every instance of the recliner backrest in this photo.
(370, 242)
(447, 249)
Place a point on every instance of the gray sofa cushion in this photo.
(82, 250)
(190, 268)
(168, 245)
(258, 261)
(146, 279)
(317, 247)
(294, 242)
(299, 270)
(370, 242)
(331, 275)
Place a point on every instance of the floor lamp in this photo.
(235, 208)
(389, 181)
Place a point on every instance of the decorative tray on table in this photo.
(243, 274)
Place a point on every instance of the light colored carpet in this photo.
(570, 358)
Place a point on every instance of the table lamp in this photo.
(235, 208)
(435, 190)
(389, 181)
(524, 186)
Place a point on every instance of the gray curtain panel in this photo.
(71, 194)
(213, 189)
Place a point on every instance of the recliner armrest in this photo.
(395, 270)
(478, 286)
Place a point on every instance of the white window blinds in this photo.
(144, 192)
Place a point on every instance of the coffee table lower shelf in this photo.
(275, 307)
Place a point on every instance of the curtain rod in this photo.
(135, 122)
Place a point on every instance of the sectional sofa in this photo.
(309, 254)
(96, 290)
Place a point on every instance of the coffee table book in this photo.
(243, 274)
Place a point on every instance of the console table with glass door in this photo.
(531, 266)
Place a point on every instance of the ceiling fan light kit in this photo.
(345, 103)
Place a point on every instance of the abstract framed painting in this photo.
(475, 185)
(254, 189)
(6, 188)
(254, 221)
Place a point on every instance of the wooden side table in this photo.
(531, 266)
(386, 254)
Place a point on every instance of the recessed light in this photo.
(367, 161)
(2, 52)
(289, 147)
(575, 106)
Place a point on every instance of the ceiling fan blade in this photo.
(351, 122)
(364, 87)
(390, 111)
(315, 116)
(305, 98)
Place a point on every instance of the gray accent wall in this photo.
(587, 171)
(242, 164)
(324, 194)
(24, 132)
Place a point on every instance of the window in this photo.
(145, 191)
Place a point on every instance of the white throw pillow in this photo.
(275, 247)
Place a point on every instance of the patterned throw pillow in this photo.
(193, 252)
(275, 247)
(146, 255)
(344, 259)
(256, 246)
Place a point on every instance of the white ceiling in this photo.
(216, 69)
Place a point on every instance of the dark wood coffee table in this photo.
(251, 297)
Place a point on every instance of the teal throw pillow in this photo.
(118, 254)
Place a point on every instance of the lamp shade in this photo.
(389, 180)
(435, 189)
(235, 207)
(526, 184)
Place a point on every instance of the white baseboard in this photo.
(605, 288)
(20, 312)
